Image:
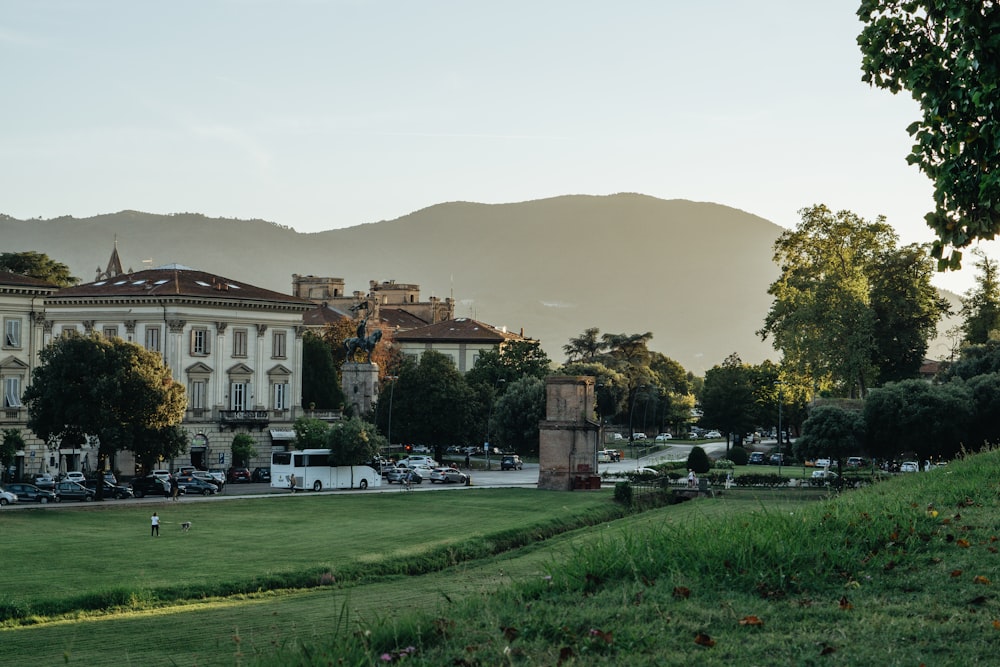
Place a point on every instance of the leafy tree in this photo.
(353, 442)
(12, 441)
(432, 404)
(159, 444)
(698, 461)
(981, 304)
(610, 392)
(976, 360)
(931, 420)
(727, 401)
(320, 379)
(984, 428)
(586, 348)
(514, 424)
(37, 265)
(839, 275)
(243, 449)
(310, 433)
(628, 349)
(944, 52)
(511, 362)
(110, 388)
(832, 432)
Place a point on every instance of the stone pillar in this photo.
(360, 385)
(567, 437)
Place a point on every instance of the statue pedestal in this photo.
(360, 384)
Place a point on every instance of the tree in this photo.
(944, 52)
(628, 349)
(930, 420)
(353, 442)
(976, 360)
(310, 433)
(839, 275)
(727, 401)
(981, 304)
(832, 432)
(37, 265)
(153, 445)
(320, 380)
(243, 449)
(698, 461)
(511, 362)
(984, 429)
(11, 442)
(610, 391)
(514, 424)
(587, 347)
(110, 388)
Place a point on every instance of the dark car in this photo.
(66, 490)
(190, 484)
(756, 458)
(45, 481)
(116, 491)
(30, 492)
(511, 462)
(150, 485)
(777, 459)
(239, 475)
(261, 475)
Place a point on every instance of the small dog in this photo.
(185, 526)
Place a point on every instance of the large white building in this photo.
(237, 349)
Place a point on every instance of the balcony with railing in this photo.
(234, 419)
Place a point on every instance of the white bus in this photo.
(312, 470)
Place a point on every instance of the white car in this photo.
(411, 461)
(162, 474)
(910, 466)
(638, 436)
(448, 476)
(713, 434)
(76, 476)
(6, 497)
(824, 474)
(822, 463)
(663, 437)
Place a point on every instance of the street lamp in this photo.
(489, 418)
(631, 430)
(780, 456)
(392, 392)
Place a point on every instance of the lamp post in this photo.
(780, 456)
(631, 430)
(392, 392)
(489, 418)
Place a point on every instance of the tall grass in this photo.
(896, 574)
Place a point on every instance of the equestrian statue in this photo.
(362, 342)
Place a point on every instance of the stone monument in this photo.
(359, 380)
(568, 436)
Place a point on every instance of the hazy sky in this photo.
(318, 114)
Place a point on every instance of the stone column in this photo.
(567, 437)
(360, 384)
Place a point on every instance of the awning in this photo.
(282, 435)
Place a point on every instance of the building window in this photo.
(239, 342)
(68, 331)
(110, 332)
(12, 392)
(199, 342)
(153, 339)
(280, 396)
(238, 396)
(278, 345)
(196, 397)
(12, 333)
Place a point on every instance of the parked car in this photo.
(7, 498)
(617, 436)
(398, 474)
(66, 490)
(824, 474)
(116, 491)
(756, 458)
(150, 485)
(191, 484)
(239, 475)
(638, 436)
(411, 461)
(218, 474)
(45, 481)
(208, 477)
(822, 463)
(449, 476)
(31, 493)
(162, 474)
(511, 462)
(261, 475)
(713, 434)
(855, 462)
(777, 459)
(663, 437)
(909, 466)
(75, 476)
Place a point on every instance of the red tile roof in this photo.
(462, 330)
(17, 280)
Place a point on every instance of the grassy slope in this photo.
(902, 573)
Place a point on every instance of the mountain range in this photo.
(693, 274)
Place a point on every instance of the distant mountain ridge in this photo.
(694, 274)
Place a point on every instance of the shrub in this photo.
(623, 493)
(698, 461)
(739, 456)
(724, 464)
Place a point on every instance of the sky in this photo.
(322, 114)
